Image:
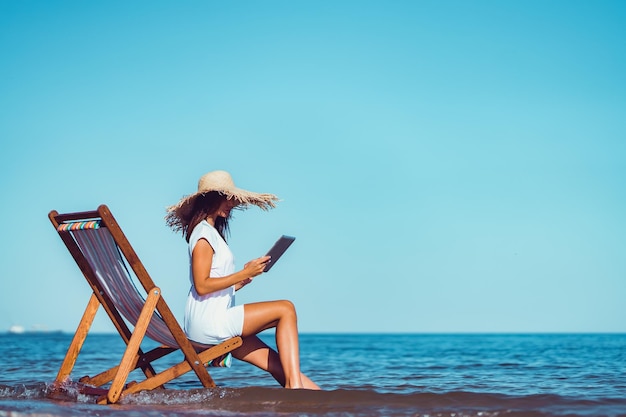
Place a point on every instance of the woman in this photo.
(211, 315)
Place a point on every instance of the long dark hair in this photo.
(187, 217)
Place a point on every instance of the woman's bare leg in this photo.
(308, 384)
(256, 352)
(282, 316)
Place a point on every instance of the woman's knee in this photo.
(262, 316)
(287, 307)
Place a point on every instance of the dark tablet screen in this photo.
(277, 250)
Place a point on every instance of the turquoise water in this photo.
(443, 375)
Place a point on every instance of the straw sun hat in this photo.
(222, 182)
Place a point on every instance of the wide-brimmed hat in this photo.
(222, 182)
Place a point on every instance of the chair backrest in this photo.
(109, 266)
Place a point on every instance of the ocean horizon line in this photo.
(362, 333)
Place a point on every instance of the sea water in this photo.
(361, 374)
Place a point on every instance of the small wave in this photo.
(42, 399)
(46, 391)
(29, 392)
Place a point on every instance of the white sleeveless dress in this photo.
(214, 317)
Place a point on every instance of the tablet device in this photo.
(277, 250)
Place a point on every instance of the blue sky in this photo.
(446, 166)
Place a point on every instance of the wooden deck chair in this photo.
(103, 254)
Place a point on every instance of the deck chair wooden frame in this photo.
(154, 319)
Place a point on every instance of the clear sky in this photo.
(446, 166)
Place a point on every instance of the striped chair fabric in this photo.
(105, 259)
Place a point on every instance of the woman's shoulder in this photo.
(203, 230)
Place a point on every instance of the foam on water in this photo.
(43, 400)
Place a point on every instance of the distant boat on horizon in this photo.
(16, 329)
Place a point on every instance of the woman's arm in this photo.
(242, 284)
(201, 261)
